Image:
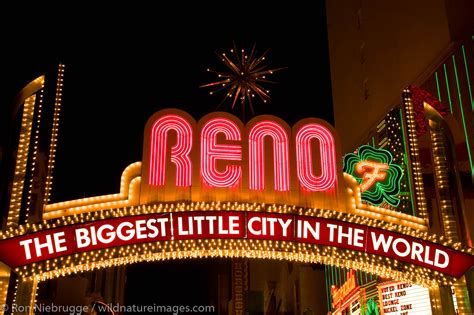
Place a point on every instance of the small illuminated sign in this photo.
(379, 179)
(403, 298)
(339, 294)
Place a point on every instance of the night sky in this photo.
(121, 68)
(119, 71)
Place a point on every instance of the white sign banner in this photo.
(403, 298)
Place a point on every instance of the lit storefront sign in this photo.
(346, 296)
(347, 299)
(403, 298)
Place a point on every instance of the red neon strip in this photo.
(211, 152)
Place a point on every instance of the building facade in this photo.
(425, 57)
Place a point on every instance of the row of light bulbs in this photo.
(227, 248)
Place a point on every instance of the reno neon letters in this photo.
(222, 145)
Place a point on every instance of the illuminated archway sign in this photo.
(217, 188)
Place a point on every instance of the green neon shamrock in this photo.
(378, 178)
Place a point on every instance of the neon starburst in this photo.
(244, 77)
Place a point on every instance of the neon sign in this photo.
(372, 172)
(218, 154)
(378, 177)
(236, 226)
(338, 294)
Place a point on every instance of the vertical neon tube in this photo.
(359, 275)
(467, 77)
(463, 119)
(437, 86)
(447, 88)
(328, 288)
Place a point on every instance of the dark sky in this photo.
(121, 68)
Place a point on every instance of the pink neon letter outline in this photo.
(304, 161)
(211, 152)
(179, 152)
(280, 155)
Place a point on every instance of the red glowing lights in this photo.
(281, 163)
(372, 172)
(179, 152)
(304, 158)
(221, 153)
(211, 151)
